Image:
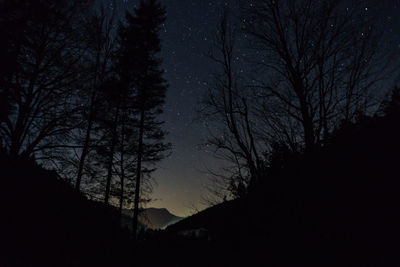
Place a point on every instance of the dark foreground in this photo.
(338, 206)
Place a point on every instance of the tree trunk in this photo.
(110, 160)
(308, 134)
(306, 116)
(86, 143)
(17, 133)
(138, 174)
(121, 197)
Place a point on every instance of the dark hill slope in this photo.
(220, 220)
(335, 207)
(46, 223)
(158, 218)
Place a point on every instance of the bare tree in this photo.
(44, 54)
(314, 65)
(227, 108)
(321, 63)
(98, 56)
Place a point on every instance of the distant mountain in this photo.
(221, 219)
(127, 221)
(155, 218)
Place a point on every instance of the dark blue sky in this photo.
(186, 38)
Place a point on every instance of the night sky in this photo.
(187, 36)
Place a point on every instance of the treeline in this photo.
(289, 74)
(81, 92)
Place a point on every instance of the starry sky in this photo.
(187, 36)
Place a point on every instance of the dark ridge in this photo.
(334, 207)
(48, 223)
(217, 219)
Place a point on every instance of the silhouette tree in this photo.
(98, 57)
(313, 64)
(322, 61)
(42, 49)
(140, 72)
(227, 107)
(113, 93)
(127, 155)
(391, 107)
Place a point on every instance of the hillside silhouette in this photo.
(334, 207)
(46, 222)
(337, 206)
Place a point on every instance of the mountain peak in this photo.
(160, 209)
(155, 218)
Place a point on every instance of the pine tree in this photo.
(141, 72)
(114, 93)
